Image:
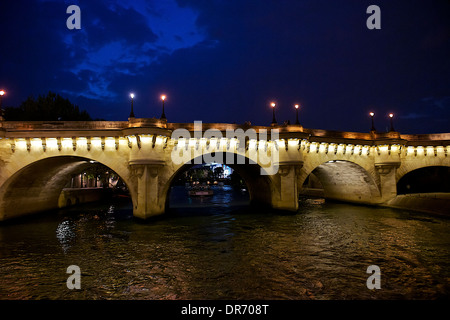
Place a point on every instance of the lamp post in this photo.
(2, 92)
(274, 121)
(373, 126)
(297, 106)
(163, 115)
(391, 116)
(132, 112)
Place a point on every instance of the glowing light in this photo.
(81, 141)
(292, 142)
(163, 97)
(66, 143)
(297, 106)
(391, 115)
(372, 114)
(322, 147)
(233, 143)
(145, 138)
(21, 144)
(110, 142)
(273, 104)
(159, 141)
(36, 143)
(2, 92)
(52, 143)
(96, 142)
(420, 150)
(181, 142)
(132, 95)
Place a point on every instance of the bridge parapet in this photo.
(286, 130)
(63, 125)
(137, 132)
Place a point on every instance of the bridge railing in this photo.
(62, 125)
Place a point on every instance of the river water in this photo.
(219, 248)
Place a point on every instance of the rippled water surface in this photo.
(218, 248)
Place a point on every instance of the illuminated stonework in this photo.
(36, 159)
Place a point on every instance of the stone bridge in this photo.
(37, 159)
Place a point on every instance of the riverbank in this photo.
(434, 203)
(75, 196)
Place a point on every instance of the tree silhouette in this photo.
(51, 107)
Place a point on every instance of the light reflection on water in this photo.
(226, 251)
(65, 234)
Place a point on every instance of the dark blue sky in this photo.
(225, 61)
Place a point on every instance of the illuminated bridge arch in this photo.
(345, 180)
(420, 161)
(259, 186)
(428, 179)
(37, 185)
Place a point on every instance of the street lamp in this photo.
(274, 121)
(132, 112)
(163, 115)
(297, 106)
(2, 92)
(391, 115)
(373, 126)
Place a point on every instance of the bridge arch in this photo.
(36, 186)
(409, 166)
(428, 179)
(259, 186)
(344, 180)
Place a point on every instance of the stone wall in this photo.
(74, 196)
(436, 203)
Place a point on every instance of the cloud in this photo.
(116, 38)
(121, 38)
(224, 61)
(440, 103)
(413, 115)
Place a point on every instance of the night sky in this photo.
(226, 60)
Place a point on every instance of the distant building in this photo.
(227, 171)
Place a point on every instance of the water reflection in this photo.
(65, 234)
(227, 251)
(223, 196)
